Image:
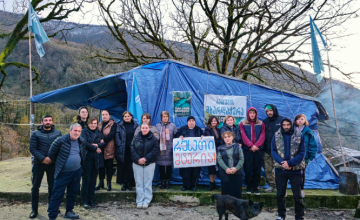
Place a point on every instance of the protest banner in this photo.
(194, 152)
(222, 105)
(182, 104)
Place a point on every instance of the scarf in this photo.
(164, 138)
(300, 129)
(226, 147)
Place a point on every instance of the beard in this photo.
(287, 130)
(47, 125)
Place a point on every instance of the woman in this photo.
(167, 132)
(229, 125)
(146, 118)
(189, 175)
(108, 128)
(82, 117)
(213, 130)
(144, 150)
(124, 135)
(92, 160)
(301, 125)
(230, 161)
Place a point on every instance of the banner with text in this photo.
(194, 152)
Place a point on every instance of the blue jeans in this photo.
(69, 181)
(143, 178)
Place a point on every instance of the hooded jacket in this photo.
(271, 126)
(291, 149)
(147, 148)
(252, 131)
(41, 141)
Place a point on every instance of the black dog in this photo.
(243, 209)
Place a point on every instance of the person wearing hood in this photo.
(229, 125)
(253, 136)
(167, 132)
(82, 117)
(92, 160)
(301, 125)
(288, 151)
(40, 143)
(189, 175)
(272, 124)
(144, 151)
(108, 128)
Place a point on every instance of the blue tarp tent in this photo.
(156, 82)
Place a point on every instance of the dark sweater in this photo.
(129, 127)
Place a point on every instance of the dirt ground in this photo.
(127, 211)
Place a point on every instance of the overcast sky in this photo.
(344, 52)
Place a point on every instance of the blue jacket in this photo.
(310, 144)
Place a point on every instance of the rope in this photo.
(287, 103)
(299, 106)
(30, 124)
(250, 94)
(207, 84)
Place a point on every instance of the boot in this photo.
(162, 185)
(129, 187)
(108, 186)
(211, 186)
(167, 185)
(101, 185)
(33, 214)
(124, 187)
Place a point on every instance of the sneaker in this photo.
(71, 215)
(256, 192)
(145, 206)
(269, 189)
(279, 218)
(139, 206)
(248, 191)
(302, 194)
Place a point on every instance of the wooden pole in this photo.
(333, 103)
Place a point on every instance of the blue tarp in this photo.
(157, 81)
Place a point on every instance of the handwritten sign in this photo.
(194, 152)
(221, 105)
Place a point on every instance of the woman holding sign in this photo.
(167, 132)
(213, 130)
(189, 175)
(229, 125)
(144, 151)
(230, 160)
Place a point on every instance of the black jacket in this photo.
(41, 141)
(90, 138)
(60, 151)
(120, 140)
(149, 150)
(185, 131)
(272, 125)
(210, 132)
(235, 130)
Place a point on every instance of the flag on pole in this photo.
(135, 102)
(35, 27)
(317, 42)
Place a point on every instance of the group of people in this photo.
(89, 150)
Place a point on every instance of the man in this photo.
(253, 136)
(288, 151)
(272, 124)
(65, 153)
(40, 143)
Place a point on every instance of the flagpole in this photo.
(30, 77)
(333, 103)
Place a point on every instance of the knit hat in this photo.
(267, 107)
(82, 107)
(191, 117)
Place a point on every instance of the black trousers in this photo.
(281, 180)
(108, 169)
(252, 167)
(233, 187)
(38, 171)
(303, 176)
(89, 180)
(165, 173)
(125, 173)
(190, 176)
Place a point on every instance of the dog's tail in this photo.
(215, 196)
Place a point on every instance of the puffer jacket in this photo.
(120, 140)
(310, 144)
(235, 130)
(148, 149)
(60, 151)
(41, 141)
(90, 138)
(167, 158)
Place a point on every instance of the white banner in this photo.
(222, 105)
(194, 152)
